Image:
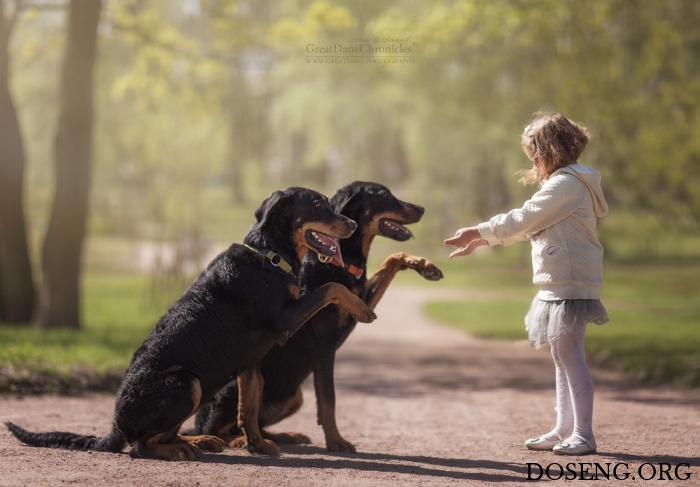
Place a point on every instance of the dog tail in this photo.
(113, 442)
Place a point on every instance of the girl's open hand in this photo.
(467, 239)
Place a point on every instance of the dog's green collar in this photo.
(274, 258)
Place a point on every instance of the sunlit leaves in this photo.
(172, 81)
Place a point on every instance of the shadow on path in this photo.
(652, 459)
(375, 462)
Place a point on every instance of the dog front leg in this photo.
(380, 280)
(250, 386)
(303, 309)
(325, 402)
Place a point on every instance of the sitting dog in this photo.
(246, 301)
(272, 390)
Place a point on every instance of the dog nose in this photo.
(351, 224)
(420, 209)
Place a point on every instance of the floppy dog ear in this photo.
(276, 204)
(346, 200)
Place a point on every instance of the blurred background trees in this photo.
(59, 302)
(16, 283)
(201, 107)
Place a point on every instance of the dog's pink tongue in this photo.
(337, 257)
(338, 260)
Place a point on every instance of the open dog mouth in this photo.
(395, 230)
(327, 248)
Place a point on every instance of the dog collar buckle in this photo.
(274, 258)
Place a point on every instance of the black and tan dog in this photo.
(246, 301)
(272, 391)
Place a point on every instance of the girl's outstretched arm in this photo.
(467, 239)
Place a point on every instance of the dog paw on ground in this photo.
(288, 438)
(340, 445)
(184, 453)
(265, 447)
(206, 442)
(238, 442)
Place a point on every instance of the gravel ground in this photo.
(423, 404)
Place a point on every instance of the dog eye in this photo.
(318, 203)
(383, 192)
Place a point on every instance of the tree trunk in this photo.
(62, 252)
(16, 283)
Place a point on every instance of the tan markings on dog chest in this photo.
(294, 290)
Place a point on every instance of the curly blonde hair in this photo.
(552, 141)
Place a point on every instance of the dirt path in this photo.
(424, 404)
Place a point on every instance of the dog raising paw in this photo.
(424, 267)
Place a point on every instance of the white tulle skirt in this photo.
(547, 320)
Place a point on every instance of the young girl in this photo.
(567, 260)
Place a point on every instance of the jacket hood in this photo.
(591, 178)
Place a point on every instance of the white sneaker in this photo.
(544, 442)
(575, 445)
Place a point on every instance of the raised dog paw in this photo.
(358, 308)
(424, 267)
(365, 316)
(431, 273)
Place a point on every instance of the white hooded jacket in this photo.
(560, 221)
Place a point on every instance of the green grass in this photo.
(497, 319)
(654, 309)
(118, 316)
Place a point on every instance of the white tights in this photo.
(574, 387)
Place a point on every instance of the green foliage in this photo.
(652, 334)
(118, 317)
(202, 111)
(222, 94)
